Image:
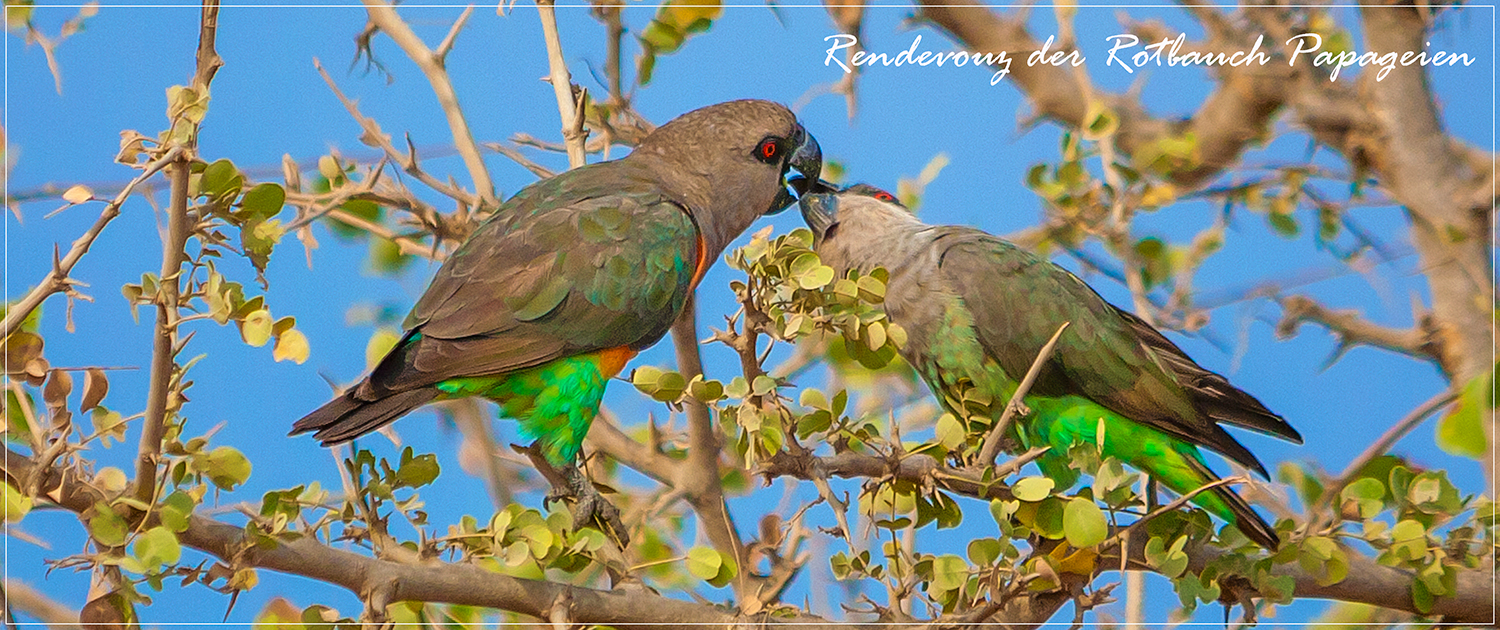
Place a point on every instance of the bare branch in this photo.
(441, 53)
(1352, 328)
(22, 598)
(520, 158)
(384, 17)
(1125, 532)
(605, 436)
(374, 137)
(992, 441)
(569, 107)
(1451, 204)
(57, 280)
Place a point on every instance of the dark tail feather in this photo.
(346, 417)
(1251, 524)
(1245, 518)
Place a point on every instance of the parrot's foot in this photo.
(1018, 409)
(591, 508)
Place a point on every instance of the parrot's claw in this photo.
(1019, 409)
(592, 509)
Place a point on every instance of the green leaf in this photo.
(380, 344)
(263, 201)
(1367, 495)
(176, 511)
(707, 391)
(1100, 121)
(950, 432)
(386, 257)
(106, 526)
(704, 562)
(1283, 224)
(227, 467)
(1461, 431)
(1169, 561)
(156, 547)
(220, 181)
(949, 572)
(1084, 523)
(645, 378)
(1032, 488)
(417, 471)
(16, 504)
(255, 329)
(985, 551)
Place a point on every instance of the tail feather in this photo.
(348, 417)
(1240, 514)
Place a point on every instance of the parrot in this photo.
(977, 311)
(575, 274)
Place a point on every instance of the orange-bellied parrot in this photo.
(977, 311)
(575, 274)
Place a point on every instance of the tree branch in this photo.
(698, 477)
(374, 137)
(992, 441)
(21, 597)
(1352, 328)
(162, 391)
(1391, 436)
(1238, 111)
(384, 17)
(569, 109)
(1449, 203)
(57, 280)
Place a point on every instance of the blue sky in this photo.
(268, 101)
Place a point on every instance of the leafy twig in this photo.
(57, 280)
(1391, 436)
(165, 346)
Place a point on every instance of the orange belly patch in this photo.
(612, 360)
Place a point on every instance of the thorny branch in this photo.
(570, 106)
(992, 442)
(1352, 328)
(433, 66)
(57, 280)
(163, 395)
(699, 477)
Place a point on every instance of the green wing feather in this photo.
(591, 260)
(1018, 301)
(539, 282)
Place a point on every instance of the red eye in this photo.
(885, 196)
(768, 150)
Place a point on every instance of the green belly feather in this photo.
(971, 383)
(1063, 422)
(554, 402)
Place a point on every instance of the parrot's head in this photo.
(733, 162)
(848, 224)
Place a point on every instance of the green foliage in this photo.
(1461, 431)
(17, 505)
(674, 23)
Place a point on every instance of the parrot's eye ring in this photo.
(885, 196)
(768, 150)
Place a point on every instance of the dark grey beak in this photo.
(807, 160)
(820, 211)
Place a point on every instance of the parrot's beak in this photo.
(820, 211)
(807, 160)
